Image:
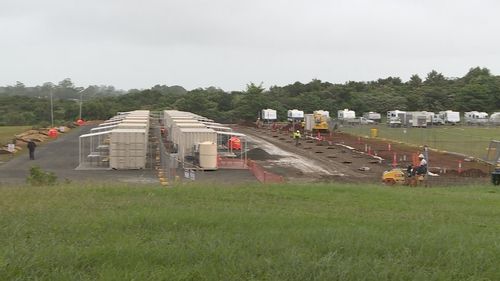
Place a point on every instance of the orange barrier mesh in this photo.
(415, 160)
(231, 163)
(262, 175)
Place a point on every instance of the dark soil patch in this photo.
(260, 154)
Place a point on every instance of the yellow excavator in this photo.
(320, 121)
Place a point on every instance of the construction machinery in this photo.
(403, 177)
(321, 119)
(394, 176)
(495, 175)
(493, 157)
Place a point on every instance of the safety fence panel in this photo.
(263, 175)
(231, 163)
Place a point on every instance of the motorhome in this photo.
(346, 114)
(495, 118)
(476, 117)
(294, 115)
(372, 116)
(450, 116)
(396, 118)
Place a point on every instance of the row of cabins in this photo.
(120, 142)
(196, 139)
(394, 118)
(423, 118)
(295, 114)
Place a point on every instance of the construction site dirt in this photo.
(341, 157)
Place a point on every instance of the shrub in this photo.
(38, 177)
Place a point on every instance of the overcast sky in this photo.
(229, 43)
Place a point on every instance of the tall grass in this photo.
(468, 140)
(281, 232)
(7, 133)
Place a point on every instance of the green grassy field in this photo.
(467, 140)
(286, 232)
(8, 132)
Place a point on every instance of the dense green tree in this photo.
(476, 90)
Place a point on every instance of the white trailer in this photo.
(395, 118)
(269, 114)
(418, 118)
(495, 118)
(375, 116)
(295, 114)
(476, 117)
(346, 114)
(450, 116)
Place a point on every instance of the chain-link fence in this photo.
(467, 140)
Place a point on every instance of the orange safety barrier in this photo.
(263, 175)
(414, 159)
(234, 143)
(231, 163)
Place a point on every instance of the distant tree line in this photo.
(477, 90)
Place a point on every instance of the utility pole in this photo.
(81, 102)
(51, 110)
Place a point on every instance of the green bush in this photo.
(38, 177)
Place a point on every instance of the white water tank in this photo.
(208, 155)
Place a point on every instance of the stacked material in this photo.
(187, 132)
(118, 143)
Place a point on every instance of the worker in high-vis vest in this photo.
(296, 137)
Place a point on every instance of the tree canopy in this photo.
(477, 90)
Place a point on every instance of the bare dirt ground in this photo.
(341, 157)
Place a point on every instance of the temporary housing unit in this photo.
(437, 119)
(346, 114)
(137, 118)
(418, 118)
(295, 114)
(450, 116)
(219, 128)
(396, 118)
(127, 149)
(188, 138)
(109, 123)
(372, 116)
(175, 129)
(495, 118)
(475, 117)
(168, 115)
(103, 128)
(309, 122)
(133, 126)
(269, 115)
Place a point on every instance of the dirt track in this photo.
(340, 157)
(325, 162)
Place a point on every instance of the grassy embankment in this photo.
(7, 134)
(318, 232)
(467, 140)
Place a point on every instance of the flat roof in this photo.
(196, 130)
(187, 125)
(128, 131)
(103, 128)
(231, 134)
(219, 127)
(95, 134)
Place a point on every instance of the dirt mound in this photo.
(469, 173)
(260, 154)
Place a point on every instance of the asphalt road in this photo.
(60, 156)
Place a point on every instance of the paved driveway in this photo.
(61, 157)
